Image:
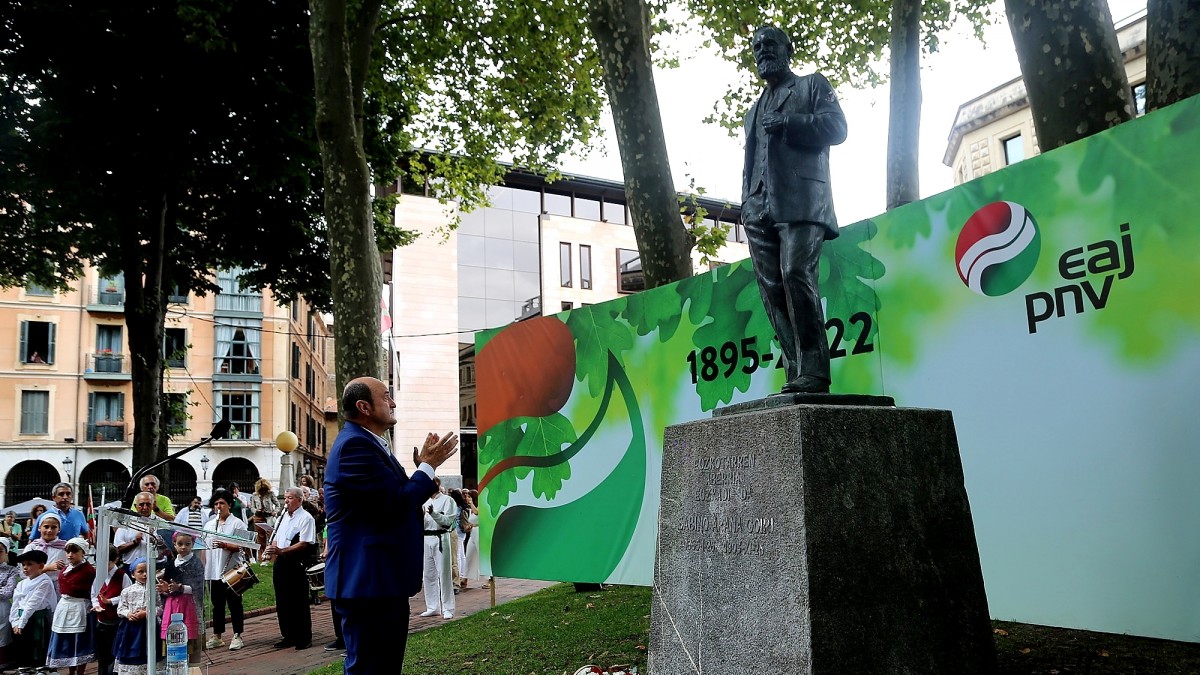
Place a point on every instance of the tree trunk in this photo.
(1072, 68)
(145, 316)
(904, 123)
(341, 47)
(621, 29)
(1172, 51)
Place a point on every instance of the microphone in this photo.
(221, 430)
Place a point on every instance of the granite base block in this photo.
(815, 539)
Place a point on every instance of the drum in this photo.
(316, 577)
(240, 579)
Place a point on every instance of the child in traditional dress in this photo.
(33, 604)
(182, 585)
(8, 586)
(129, 647)
(73, 632)
(104, 603)
(52, 546)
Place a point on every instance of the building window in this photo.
(588, 209)
(32, 289)
(295, 361)
(585, 266)
(35, 412)
(614, 212)
(1014, 150)
(37, 342)
(233, 297)
(557, 204)
(175, 347)
(106, 416)
(238, 403)
(174, 414)
(564, 263)
(176, 295)
(1139, 101)
(566, 306)
(629, 271)
(108, 339)
(238, 346)
(112, 290)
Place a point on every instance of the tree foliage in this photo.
(469, 82)
(844, 41)
(161, 140)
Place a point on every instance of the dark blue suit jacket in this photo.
(373, 509)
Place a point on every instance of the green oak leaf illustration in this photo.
(499, 443)
(850, 272)
(736, 314)
(659, 309)
(1141, 159)
(699, 291)
(546, 436)
(597, 332)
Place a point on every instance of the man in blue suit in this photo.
(374, 559)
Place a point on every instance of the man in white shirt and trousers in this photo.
(295, 534)
(440, 513)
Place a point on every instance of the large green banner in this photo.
(1050, 306)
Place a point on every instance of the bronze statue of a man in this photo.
(787, 204)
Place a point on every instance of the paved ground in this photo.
(262, 631)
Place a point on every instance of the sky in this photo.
(961, 70)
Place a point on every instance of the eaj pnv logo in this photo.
(997, 248)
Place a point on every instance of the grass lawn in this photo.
(552, 631)
(558, 630)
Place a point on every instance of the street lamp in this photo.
(286, 441)
(204, 460)
(67, 467)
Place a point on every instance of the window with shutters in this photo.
(37, 342)
(106, 416)
(35, 412)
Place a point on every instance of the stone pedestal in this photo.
(817, 539)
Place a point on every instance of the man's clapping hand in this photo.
(437, 449)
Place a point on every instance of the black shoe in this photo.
(335, 646)
(284, 644)
(306, 645)
(807, 384)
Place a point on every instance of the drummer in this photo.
(224, 557)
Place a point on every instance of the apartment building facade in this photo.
(66, 392)
(995, 129)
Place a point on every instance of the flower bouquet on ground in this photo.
(611, 670)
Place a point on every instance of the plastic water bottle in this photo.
(177, 638)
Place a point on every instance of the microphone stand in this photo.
(218, 432)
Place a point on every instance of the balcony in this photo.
(105, 431)
(106, 366)
(107, 299)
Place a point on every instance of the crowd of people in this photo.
(57, 611)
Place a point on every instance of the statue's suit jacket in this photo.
(796, 170)
(373, 508)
